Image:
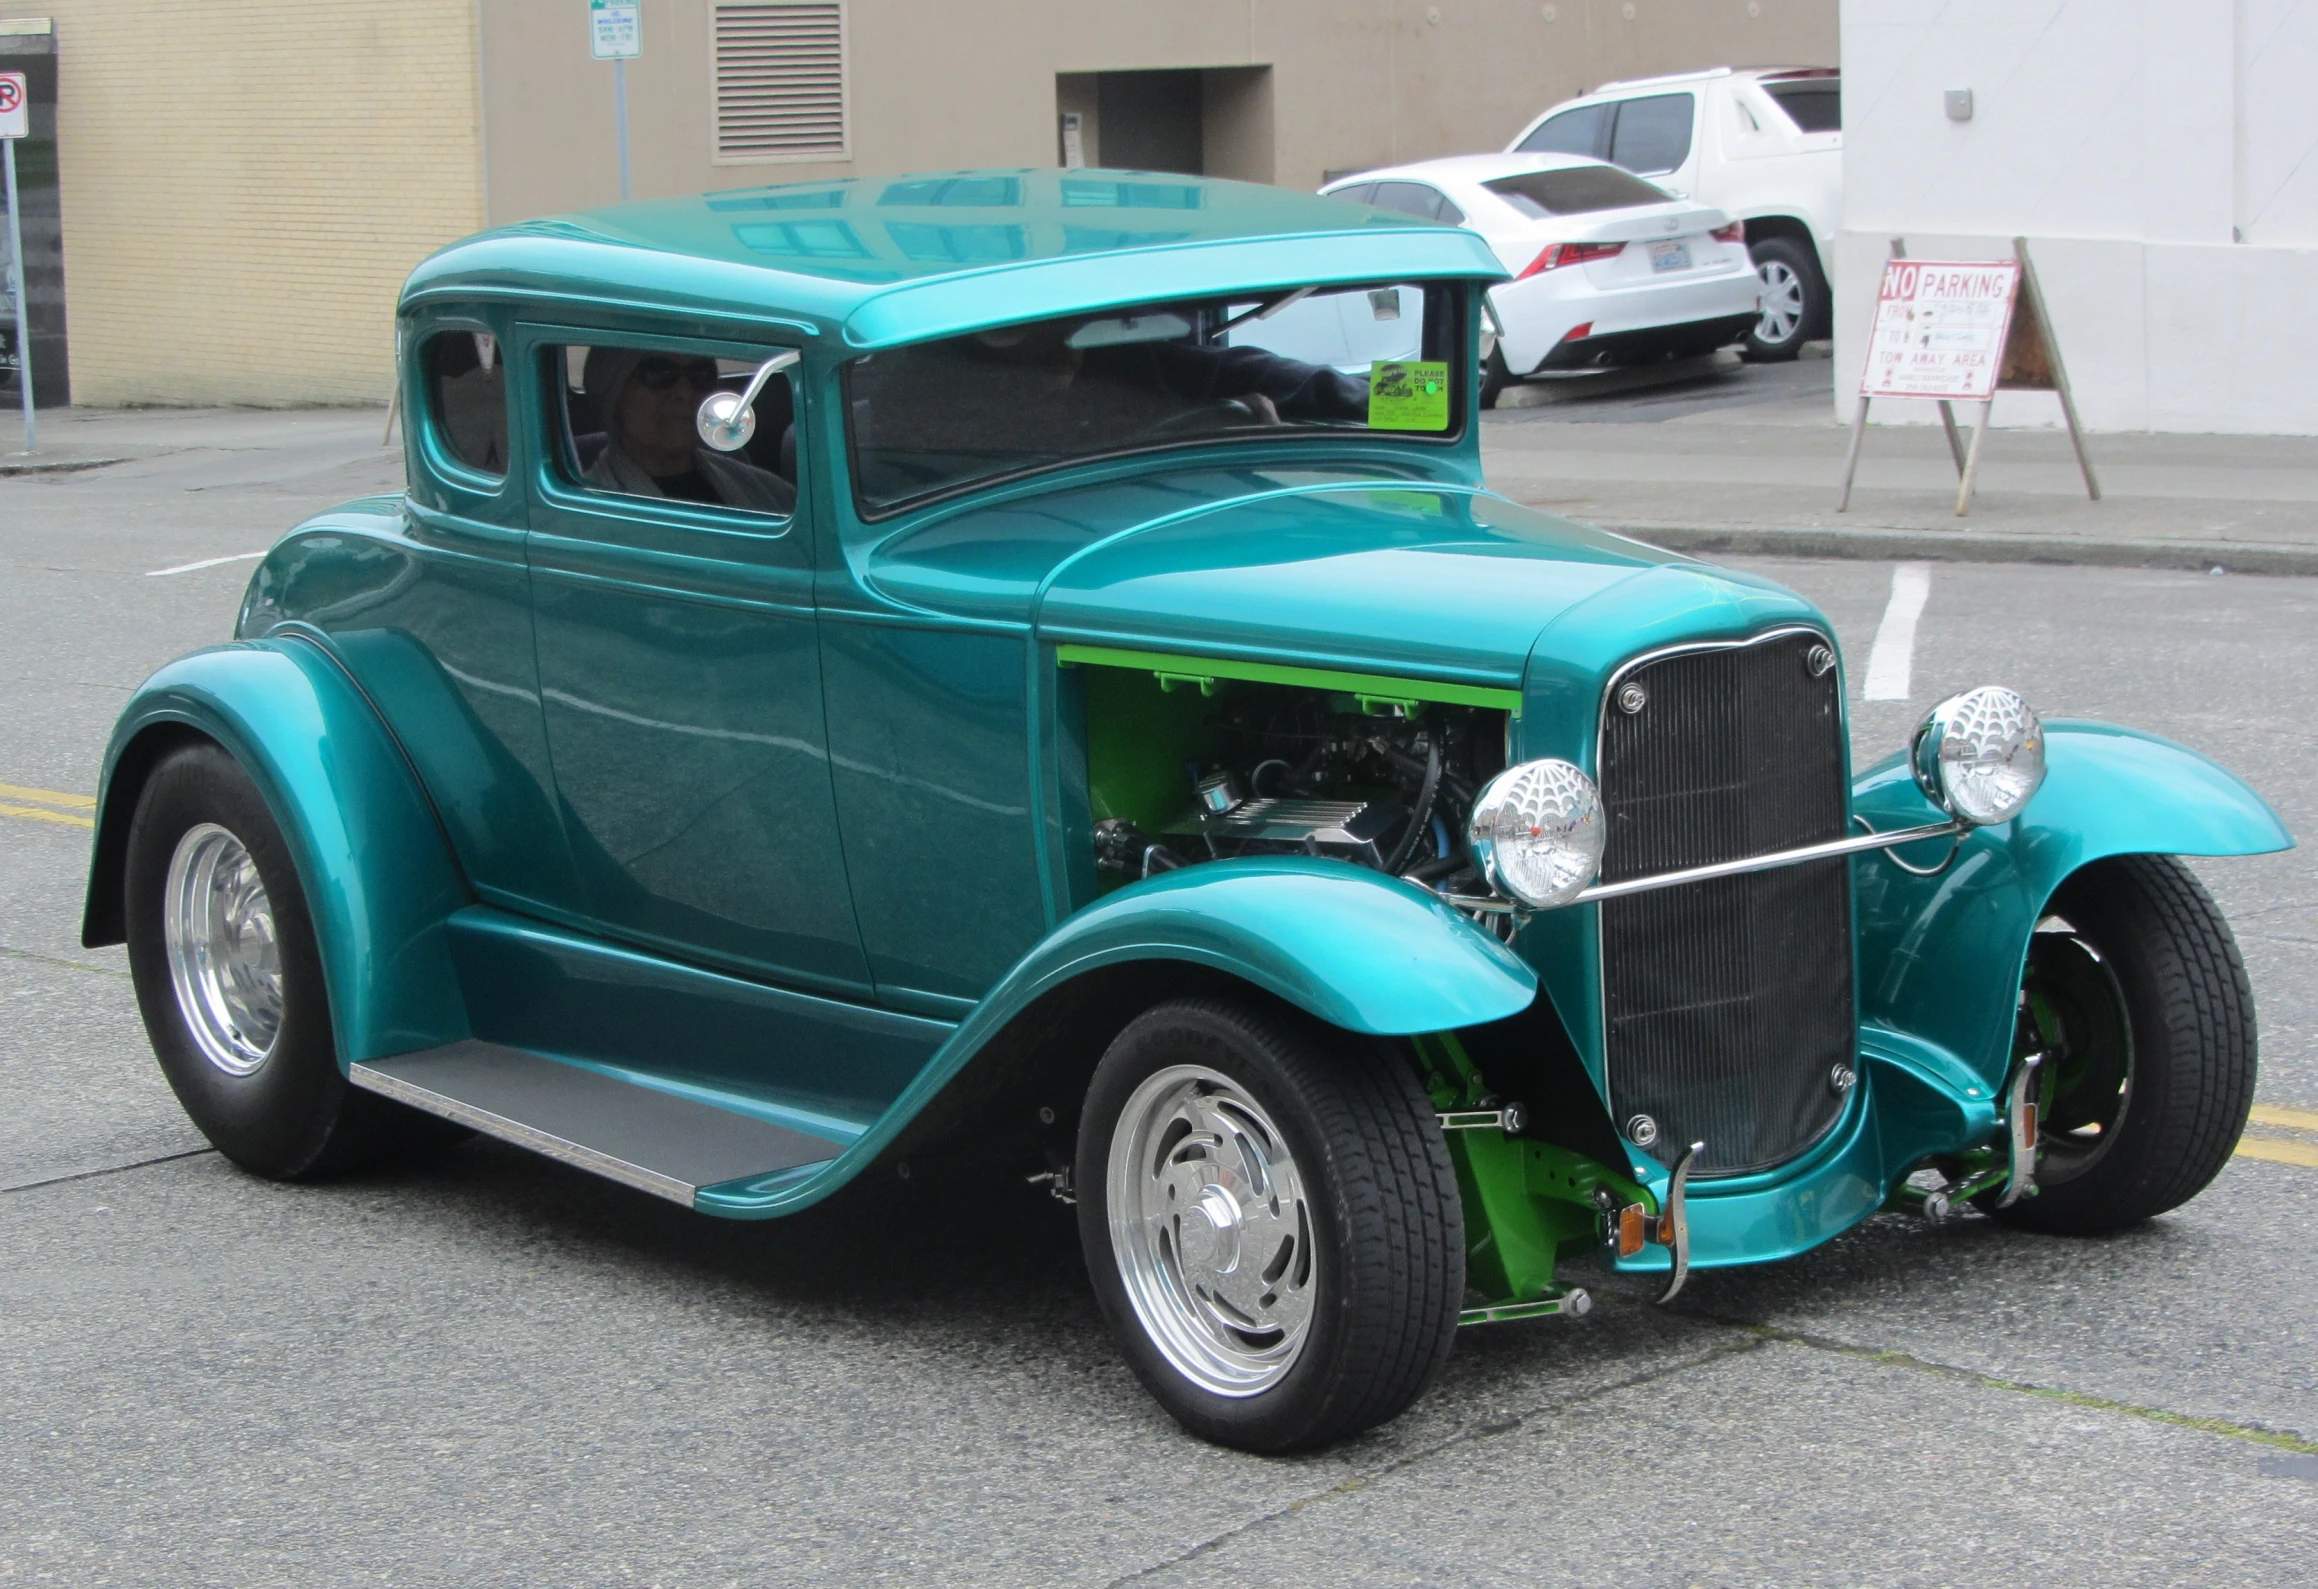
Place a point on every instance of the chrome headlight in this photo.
(1979, 756)
(1537, 833)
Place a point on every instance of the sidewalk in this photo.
(1745, 460)
(1751, 460)
(77, 439)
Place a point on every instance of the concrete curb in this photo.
(1966, 546)
(10, 466)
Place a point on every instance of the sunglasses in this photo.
(659, 374)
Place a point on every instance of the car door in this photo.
(679, 667)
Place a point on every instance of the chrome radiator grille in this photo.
(1727, 1004)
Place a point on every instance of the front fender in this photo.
(1354, 948)
(378, 876)
(1940, 957)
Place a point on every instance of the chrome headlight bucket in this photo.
(1537, 833)
(1979, 756)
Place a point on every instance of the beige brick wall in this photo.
(246, 184)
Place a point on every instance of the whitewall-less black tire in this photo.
(1271, 1223)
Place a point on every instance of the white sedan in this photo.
(1607, 268)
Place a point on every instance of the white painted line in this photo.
(1893, 659)
(207, 562)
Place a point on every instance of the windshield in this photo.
(937, 415)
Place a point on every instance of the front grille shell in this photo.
(1727, 1005)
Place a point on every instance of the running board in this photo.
(639, 1136)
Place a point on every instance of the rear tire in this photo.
(1495, 377)
(229, 980)
(1271, 1223)
(2144, 1004)
(1795, 303)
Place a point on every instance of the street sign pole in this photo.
(15, 122)
(620, 117)
(616, 34)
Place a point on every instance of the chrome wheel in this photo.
(1783, 303)
(225, 964)
(1211, 1230)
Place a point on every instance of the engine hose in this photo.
(1421, 819)
(1432, 870)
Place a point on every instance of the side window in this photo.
(628, 427)
(467, 393)
(1410, 198)
(1584, 130)
(1358, 193)
(1653, 135)
(1449, 212)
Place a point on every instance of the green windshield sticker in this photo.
(1408, 395)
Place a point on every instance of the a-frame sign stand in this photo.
(2028, 359)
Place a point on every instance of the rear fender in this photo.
(1940, 957)
(378, 876)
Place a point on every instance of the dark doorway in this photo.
(1150, 121)
(1213, 121)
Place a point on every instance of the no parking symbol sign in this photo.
(15, 106)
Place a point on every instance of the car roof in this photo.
(874, 261)
(1627, 85)
(1469, 168)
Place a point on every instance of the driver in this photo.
(649, 402)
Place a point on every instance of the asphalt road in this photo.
(499, 1371)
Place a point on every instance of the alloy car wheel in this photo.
(224, 964)
(1782, 302)
(2137, 995)
(1211, 1230)
(1271, 1222)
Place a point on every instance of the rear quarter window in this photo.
(1813, 104)
(466, 385)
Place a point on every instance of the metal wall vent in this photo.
(780, 82)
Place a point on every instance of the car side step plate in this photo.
(654, 1141)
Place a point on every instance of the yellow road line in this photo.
(49, 797)
(2279, 1150)
(2270, 1114)
(35, 814)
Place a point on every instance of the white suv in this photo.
(1764, 144)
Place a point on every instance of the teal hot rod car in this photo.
(1023, 665)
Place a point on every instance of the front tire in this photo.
(2136, 990)
(1794, 300)
(229, 980)
(1271, 1223)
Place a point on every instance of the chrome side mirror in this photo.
(727, 420)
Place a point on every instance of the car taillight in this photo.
(1736, 232)
(1557, 255)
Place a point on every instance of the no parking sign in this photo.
(15, 123)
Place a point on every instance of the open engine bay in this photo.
(1183, 770)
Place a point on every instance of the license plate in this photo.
(1673, 254)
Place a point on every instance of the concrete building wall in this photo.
(2162, 160)
(1351, 83)
(245, 186)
